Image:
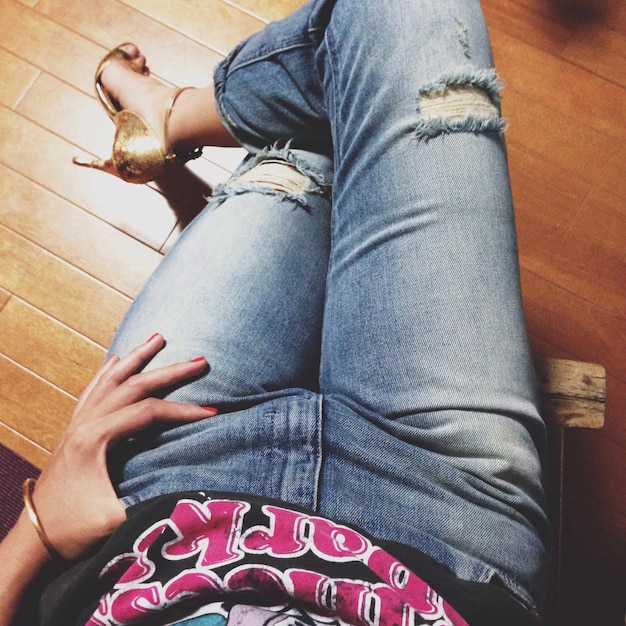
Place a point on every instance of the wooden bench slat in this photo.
(573, 393)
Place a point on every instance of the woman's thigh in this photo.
(430, 404)
(244, 285)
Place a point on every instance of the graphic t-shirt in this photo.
(205, 559)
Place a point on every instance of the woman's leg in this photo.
(428, 381)
(431, 433)
(194, 121)
(252, 263)
(244, 286)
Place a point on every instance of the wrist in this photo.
(23, 557)
(34, 518)
(24, 539)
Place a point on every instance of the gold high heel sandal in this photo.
(138, 156)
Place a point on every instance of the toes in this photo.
(137, 59)
(140, 64)
(131, 50)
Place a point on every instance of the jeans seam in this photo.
(319, 452)
(267, 55)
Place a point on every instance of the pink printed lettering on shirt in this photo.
(335, 542)
(135, 603)
(264, 579)
(411, 588)
(285, 535)
(211, 529)
(150, 535)
(348, 598)
(131, 604)
(142, 567)
(190, 583)
(311, 587)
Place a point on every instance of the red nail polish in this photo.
(198, 358)
(152, 337)
(210, 409)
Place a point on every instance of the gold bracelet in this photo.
(34, 518)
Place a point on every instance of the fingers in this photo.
(137, 357)
(86, 393)
(134, 418)
(116, 370)
(120, 382)
(141, 385)
(126, 370)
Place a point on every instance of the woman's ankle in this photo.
(194, 121)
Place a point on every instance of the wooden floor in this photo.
(76, 245)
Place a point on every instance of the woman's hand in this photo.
(74, 498)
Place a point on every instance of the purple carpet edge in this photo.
(14, 470)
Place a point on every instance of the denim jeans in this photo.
(367, 351)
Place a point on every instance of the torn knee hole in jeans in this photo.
(278, 175)
(461, 102)
(278, 172)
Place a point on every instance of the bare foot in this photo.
(131, 87)
(194, 121)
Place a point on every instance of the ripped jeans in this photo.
(367, 351)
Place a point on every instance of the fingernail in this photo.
(210, 409)
(152, 337)
(198, 358)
